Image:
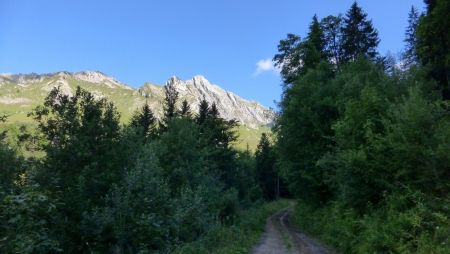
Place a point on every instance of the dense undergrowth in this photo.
(404, 224)
(239, 237)
(363, 140)
(82, 182)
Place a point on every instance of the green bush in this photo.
(406, 223)
(238, 237)
(26, 222)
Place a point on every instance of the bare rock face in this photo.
(32, 88)
(97, 77)
(230, 105)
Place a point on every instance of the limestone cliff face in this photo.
(230, 105)
(24, 91)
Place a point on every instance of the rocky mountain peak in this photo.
(34, 87)
(98, 77)
(177, 83)
(92, 76)
(230, 106)
(199, 79)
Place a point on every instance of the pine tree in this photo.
(214, 112)
(410, 54)
(203, 112)
(359, 36)
(185, 109)
(433, 44)
(430, 5)
(145, 120)
(313, 48)
(315, 35)
(170, 101)
(216, 136)
(265, 163)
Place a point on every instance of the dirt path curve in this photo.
(281, 237)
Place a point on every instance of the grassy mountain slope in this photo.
(20, 94)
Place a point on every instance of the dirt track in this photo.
(281, 237)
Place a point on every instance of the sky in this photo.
(230, 42)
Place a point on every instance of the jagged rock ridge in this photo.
(27, 90)
(230, 106)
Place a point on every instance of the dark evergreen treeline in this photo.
(364, 142)
(148, 186)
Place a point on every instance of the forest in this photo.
(361, 142)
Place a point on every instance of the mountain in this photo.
(20, 93)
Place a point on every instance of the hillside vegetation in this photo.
(21, 93)
(149, 185)
(363, 141)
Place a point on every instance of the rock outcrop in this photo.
(30, 89)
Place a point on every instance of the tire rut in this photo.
(281, 237)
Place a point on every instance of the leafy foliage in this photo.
(138, 188)
(362, 146)
(433, 44)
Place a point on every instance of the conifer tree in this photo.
(170, 101)
(430, 5)
(203, 112)
(217, 135)
(265, 163)
(359, 36)
(185, 109)
(312, 48)
(145, 120)
(315, 35)
(214, 112)
(433, 44)
(410, 54)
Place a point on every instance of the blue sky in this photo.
(138, 41)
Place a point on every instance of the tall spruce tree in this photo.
(214, 111)
(170, 110)
(203, 112)
(359, 36)
(145, 120)
(433, 44)
(216, 136)
(315, 35)
(185, 110)
(265, 168)
(410, 54)
(313, 48)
